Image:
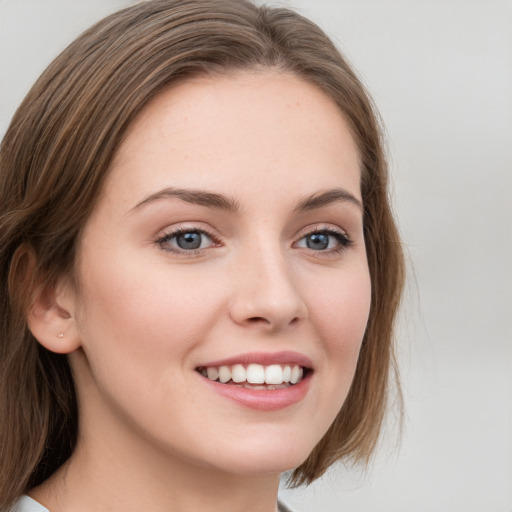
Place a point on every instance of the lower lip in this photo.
(262, 399)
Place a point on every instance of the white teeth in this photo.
(238, 373)
(213, 373)
(224, 374)
(256, 376)
(296, 374)
(273, 374)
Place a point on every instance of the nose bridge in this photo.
(266, 293)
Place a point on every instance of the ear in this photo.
(51, 317)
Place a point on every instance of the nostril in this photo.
(268, 322)
(258, 319)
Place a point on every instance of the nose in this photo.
(265, 295)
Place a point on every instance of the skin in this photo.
(143, 314)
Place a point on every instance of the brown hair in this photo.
(54, 159)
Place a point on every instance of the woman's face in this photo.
(227, 245)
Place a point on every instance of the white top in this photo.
(26, 504)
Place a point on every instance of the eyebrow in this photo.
(327, 197)
(219, 201)
(200, 197)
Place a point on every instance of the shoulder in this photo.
(26, 504)
(281, 507)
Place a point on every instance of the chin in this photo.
(265, 457)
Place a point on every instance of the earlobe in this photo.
(51, 319)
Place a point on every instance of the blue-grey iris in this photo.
(190, 240)
(317, 241)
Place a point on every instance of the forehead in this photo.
(218, 130)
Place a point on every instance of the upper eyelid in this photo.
(170, 233)
(341, 236)
(217, 238)
(199, 227)
(322, 227)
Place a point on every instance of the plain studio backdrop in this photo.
(440, 72)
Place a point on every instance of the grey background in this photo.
(441, 73)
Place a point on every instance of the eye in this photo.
(326, 240)
(185, 240)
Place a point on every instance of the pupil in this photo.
(190, 240)
(318, 241)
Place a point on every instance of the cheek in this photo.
(140, 326)
(341, 309)
(145, 312)
(338, 313)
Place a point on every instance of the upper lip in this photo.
(263, 358)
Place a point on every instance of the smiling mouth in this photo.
(256, 376)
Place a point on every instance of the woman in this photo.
(200, 270)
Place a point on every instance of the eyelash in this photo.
(344, 242)
(163, 242)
